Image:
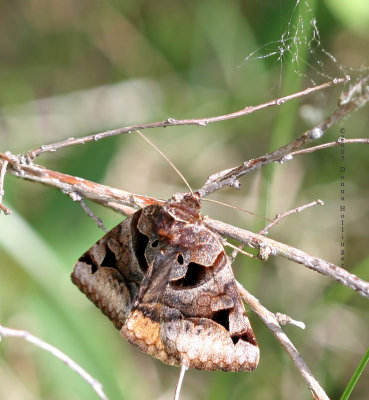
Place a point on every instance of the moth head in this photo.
(185, 207)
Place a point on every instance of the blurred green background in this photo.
(72, 68)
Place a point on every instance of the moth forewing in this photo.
(165, 281)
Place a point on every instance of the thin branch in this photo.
(107, 196)
(32, 154)
(180, 381)
(272, 247)
(337, 142)
(71, 184)
(3, 167)
(110, 196)
(78, 188)
(289, 212)
(284, 319)
(90, 213)
(96, 385)
(115, 199)
(119, 208)
(6, 210)
(271, 322)
(230, 176)
(237, 250)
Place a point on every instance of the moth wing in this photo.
(109, 273)
(204, 344)
(188, 310)
(208, 325)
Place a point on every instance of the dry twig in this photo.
(3, 166)
(272, 323)
(289, 212)
(180, 381)
(284, 319)
(263, 255)
(78, 188)
(89, 212)
(108, 196)
(290, 253)
(285, 153)
(111, 197)
(32, 154)
(69, 184)
(338, 142)
(96, 385)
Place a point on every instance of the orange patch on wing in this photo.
(144, 333)
(144, 329)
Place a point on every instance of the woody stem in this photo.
(272, 323)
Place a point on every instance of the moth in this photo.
(165, 281)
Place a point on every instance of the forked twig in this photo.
(272, 323)
(289, 212)
(110, 196)
(290, 253)
(96, 385)
(118, 200)
(32, 154)
(285, 153)
(69, 184)
(262, 254)
(104, 195)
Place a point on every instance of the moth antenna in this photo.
(180, 380)
(237, 208)
(167, 159)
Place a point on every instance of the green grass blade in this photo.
(355, 377)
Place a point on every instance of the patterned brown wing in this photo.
(165, 281)
(110, 273)
(188, 310)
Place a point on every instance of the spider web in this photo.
(301, 46)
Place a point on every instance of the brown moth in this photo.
(166, 283)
